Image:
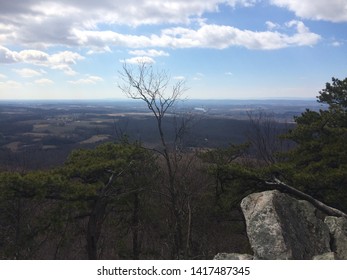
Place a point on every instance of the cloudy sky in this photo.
(237, 49)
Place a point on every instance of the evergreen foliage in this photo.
(115, 201)
(318, 163)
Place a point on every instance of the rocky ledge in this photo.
(280, 227)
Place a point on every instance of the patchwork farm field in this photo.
(42, 134)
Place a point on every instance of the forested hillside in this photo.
(122, 200)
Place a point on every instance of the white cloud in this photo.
(330, 10)
(96, 50)
(229, 73)
(221, 37)
(102, 39)
(6, 32)
(198, 76)
(179, 78)
(151, 53)
(139, 60)
(65, 68)
(44, 82)
(2, 76)
(65, 58)
(27, 72)
(336, 44)
(303, 37)
(245, 3)
(271, 25)
(7, 56)
(61, 60)
(206, 36)
(10, 84)
(76, 23)
(33, 57)
(90, 80)
(95, 78)
(22, 23)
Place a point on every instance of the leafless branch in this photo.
(281, 186)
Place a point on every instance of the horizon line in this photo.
(137, 100)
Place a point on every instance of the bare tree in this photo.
(142, 82)
(264, 136)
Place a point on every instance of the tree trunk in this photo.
(189, 229)
(281, 186)
(94, 228)
(135, 227)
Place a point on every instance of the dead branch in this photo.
(281, 186)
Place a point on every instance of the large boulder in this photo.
(281, 227)
(338, 232)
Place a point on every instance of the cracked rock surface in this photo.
(282, 227)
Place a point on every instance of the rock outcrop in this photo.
(338, 234)
(232, 256)
(326, 256)
(282, 227)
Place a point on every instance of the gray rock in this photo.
(281, 227)
(338, 231)
(326, 256)
(232, 256)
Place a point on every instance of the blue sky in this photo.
(232, 49)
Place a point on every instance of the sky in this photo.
(231, 49)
